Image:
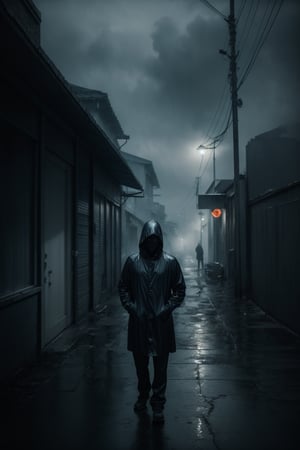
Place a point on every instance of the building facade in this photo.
(61, 184)
(273, 180)
(269, 224)
(139, 207)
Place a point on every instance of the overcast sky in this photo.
(159, 62)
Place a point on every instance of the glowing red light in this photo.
(216, 213)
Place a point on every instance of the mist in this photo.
(160, 65)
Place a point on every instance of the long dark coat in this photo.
(150, 289)
(199, 251)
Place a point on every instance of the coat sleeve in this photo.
(177, 290)
(178, 285)
(124, 288)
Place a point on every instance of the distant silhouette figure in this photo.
(199, 255)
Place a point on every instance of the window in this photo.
(17, 211)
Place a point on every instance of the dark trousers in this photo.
(200, 261)
(159, 383)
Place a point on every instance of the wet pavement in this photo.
(233, 383)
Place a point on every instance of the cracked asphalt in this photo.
(233, 383)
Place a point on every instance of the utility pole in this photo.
(234, 108)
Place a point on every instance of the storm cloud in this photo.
(160, 64)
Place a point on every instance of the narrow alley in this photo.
(234, 383)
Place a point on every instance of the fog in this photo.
(160, 65)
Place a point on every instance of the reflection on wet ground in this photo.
(234, 383)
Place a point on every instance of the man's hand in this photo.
(131, 308)
(166, 312)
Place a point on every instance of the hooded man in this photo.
(151, 287)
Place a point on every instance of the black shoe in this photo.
(140, 405)
(158, 417)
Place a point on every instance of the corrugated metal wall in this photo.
(97, 251)
(275, 255)
(108, 245)
(102, 243)
(117, 265)
(230, 244)
(107, 248)
(83, 235)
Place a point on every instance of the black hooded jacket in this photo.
(150, 288)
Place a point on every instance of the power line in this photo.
(262, 39)
(241, 11)
(266, 26)
(246, 29)
(259, 43)
(226, 125)
(213, 8)
(219, 113)
(215, 125)
(218, 138)
(261, 25)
